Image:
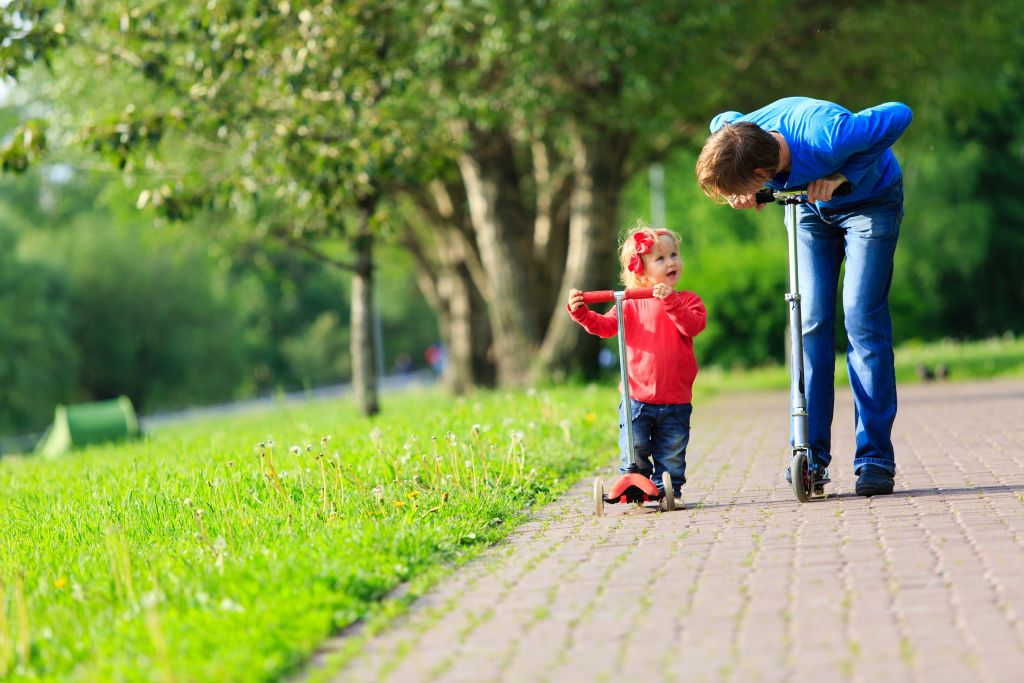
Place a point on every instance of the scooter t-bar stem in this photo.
(603, 296)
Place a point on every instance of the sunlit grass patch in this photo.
(229, 550)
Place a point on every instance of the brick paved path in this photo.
(747, 584)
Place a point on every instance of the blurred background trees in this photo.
(218, 196)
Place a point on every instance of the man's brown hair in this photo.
(731, 156)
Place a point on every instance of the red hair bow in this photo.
(641, 245)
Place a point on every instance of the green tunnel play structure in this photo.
(87, 423)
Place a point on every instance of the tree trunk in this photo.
(592, 260)
(450, 275)
(504, 237)
(364, 362)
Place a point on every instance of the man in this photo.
(797, 142)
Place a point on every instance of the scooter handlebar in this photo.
(606, 295)
(767, 195)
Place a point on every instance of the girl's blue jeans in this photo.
(865, 237)
(661, 433)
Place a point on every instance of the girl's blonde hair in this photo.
(628, 250)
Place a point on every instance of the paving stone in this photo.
(747, 584)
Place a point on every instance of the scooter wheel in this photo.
(670, 500)
(598, 497)
(800, 473)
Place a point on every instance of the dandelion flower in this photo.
(60, 582)
(398, 503)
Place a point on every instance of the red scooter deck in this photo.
(633, 488)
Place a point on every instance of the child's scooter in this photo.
(631, 487)
(808, 477)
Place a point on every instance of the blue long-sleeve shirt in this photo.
(825, 138)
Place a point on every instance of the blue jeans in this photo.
(661, 431)
(865, 236)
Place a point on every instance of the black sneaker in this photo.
(818, 484)
(874, 481)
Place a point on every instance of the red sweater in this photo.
(659, 343)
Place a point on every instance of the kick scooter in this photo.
(631, 487)
(808, 478)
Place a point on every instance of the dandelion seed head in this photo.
(295, 450)
(270, 443)
(261, 445)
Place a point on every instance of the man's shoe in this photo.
(874, 481)
(819, 483)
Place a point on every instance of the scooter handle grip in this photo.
(767, 195)
(606, 295)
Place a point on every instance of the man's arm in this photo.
(858, 139)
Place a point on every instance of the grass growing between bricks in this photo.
(230, 550)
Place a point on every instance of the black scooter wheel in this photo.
(800, 472)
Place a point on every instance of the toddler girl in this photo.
(659, 348)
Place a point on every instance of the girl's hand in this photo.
(661, 290)
(821, 189)
(575, 299)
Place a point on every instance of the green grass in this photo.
(195, 555)
(986, 359)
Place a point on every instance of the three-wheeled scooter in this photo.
(631, 487)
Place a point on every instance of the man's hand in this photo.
(575, 299)
(744, 201)
(661, 290)
(821, 189)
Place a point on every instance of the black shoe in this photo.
(818, 483)
(874, 481)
